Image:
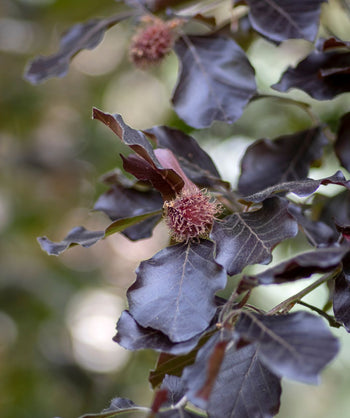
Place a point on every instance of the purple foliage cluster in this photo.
(226, 357)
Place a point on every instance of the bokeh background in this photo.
(58, 314)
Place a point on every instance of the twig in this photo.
(288, 304)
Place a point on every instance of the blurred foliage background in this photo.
(58, 315)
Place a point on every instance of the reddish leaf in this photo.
(169, 284)
(285, 19)
(323, 75)
(286, 158)
(195, 162)
(145, 165)
(297, 346)
(81, 36)
(248, 238)
(216, 80)
(342, 143)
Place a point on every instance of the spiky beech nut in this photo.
(191, 214)
(153, 41)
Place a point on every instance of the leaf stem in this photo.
(288, 304)
(331, 320)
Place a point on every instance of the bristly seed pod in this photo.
(153, 42)
(191, 214)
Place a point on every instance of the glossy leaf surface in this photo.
(297, 346)
(169, 284)
(248, 238)
(216, 80)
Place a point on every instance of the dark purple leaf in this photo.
(81, 36)
(301, 188)
(195, 162)
(341, 300)
(169, 284)
(118, 406)
(297, 346)
(175, 387)
(336, 210)
(323, 75)
(244, 388)
(133, 336)
(123, 202)
(279, 20)
(318, 233)
(341, 295)
(78, 235)
(216, 80)
(248, 238)
(286, 158)
(301, 266)
(342, 143)
(81, 236)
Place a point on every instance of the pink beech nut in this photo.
(190, 215)
(153, 41)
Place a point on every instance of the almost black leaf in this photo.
(286, 158)
(248, 238)
(124, 202)
(323, 75)
(216, 80)
(81, 36)
(341, 295)
(318, 233)
(342, 143)
(279, 20)
(168, 286)
(297, 346)
(303, 265)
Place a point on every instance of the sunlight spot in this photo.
(91, 319)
